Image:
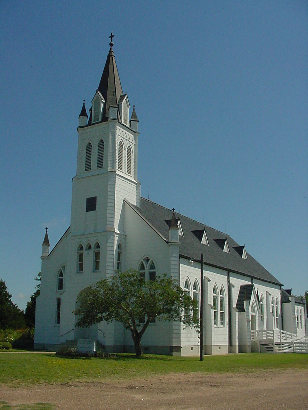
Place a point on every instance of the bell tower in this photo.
(107, 163)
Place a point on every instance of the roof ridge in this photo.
(194, 220)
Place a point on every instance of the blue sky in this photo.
(220, 88)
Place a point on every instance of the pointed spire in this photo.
(134, 115)
(46, 239)
(110, 85)
(83, 112)
(174, 221)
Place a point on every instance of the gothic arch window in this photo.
(97, 257)
(119, 258)
(129, 161)
(120, 155)
(100, 154)
(215, 305)
(88, 160)
(60, 280)
(187, 292)
(262, 307)
(147, 269)
(277, 313)
(88, 247)
(222, 307)
(196, 298)
(80, 258)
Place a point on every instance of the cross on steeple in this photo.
(111, 38)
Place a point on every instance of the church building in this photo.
(114, 229)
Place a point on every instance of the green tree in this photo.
(30, 308)
(128, 299)
(10, 314)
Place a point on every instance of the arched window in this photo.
(262, 308)
(222, 307)
(100, 154)
(277, 313)
(215, 305)
(187, 292)
(120, 156)
(196, 299)
(147, 269)
(97, 256)
(80, 258)
(87, 165)
(119, 255)
(88, 247)
(129, 160)
(60, 283)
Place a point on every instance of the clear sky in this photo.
(220, 88)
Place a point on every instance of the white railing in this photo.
(279, 341)
(300, 347)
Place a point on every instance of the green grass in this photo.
(27, 368)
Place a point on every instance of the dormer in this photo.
(241, 251)
(97, 107)
(202, 236)
(124, 109)
(223, 244)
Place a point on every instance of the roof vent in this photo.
(241, 251)
(202, 236)
(223, 244)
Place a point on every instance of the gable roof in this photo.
(191, 247)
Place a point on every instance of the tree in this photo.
(10, 314)
(30, 308)
(127, 298)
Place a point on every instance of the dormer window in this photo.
(124, 109)
(97, 107)
(202, 236)
(241, 251)
(223, 244)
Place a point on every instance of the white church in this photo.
(113, 228)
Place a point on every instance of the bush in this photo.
(21, 339)
(5, 346)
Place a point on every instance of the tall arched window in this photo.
(100, 154)
(120, 156)
(277, 313)
(88, 160)
(222, 307)
(187, 291)
(119, 257)
(147, 269)
(80, 258)
(262, 308)
(196, 299)
(215, 305)
(60, 284)
(129, 161)
(97, 256)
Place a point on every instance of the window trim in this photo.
(80, 255)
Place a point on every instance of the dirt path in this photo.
(263, 390)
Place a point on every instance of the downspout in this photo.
(229, 311)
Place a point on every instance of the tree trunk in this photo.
(137, 343)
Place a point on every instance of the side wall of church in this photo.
(142, 241)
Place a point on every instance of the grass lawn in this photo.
(30, 368)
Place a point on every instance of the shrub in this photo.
(5, 346)
(21, 339)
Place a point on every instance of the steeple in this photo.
(110, 85)
(45, 244)
(83, 116)
(134, 120)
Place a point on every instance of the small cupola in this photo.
(134, 120)
(83, 116)
(45, 245)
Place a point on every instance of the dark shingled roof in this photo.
(110, 85)
(300, 299)
(83, 112)
(244, 294)
(191, 248)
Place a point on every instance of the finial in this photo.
(111, 38)
(46, 239)
(46, 229)
(173, 210)
(174, 220)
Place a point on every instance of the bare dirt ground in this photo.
(266, 390)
